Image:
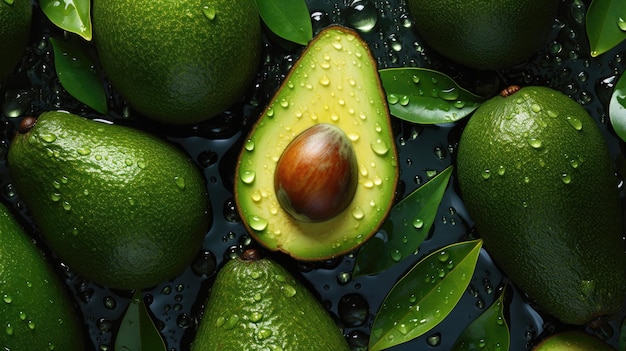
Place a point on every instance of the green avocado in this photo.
(15, 21)
(121, 207)
(318, 171)
(35, 312)
(255, 304)
(537, 178)
(572, 340)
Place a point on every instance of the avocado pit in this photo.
(316, 176)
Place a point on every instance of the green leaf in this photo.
(425, 96)
(489, 331)
(617, 108)
(605, 24)
(406, 227)
(70, 15)
(77, 75)
(289, 19)
(423, 297)
(137, 331)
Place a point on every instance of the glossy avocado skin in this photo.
(537, 178)
(335, 81)
(121, 207)
(256, 304)
(36, 312)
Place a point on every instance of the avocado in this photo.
(36, 312)
(178, 62)
(318, 171)
(256, 304)
(485, 34)
(119, 206)
(572, 340)
(538, 180)
(15, 21)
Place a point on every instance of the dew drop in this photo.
(362, 15)
(535, 108)
(258, 223)
(9, 329)
(7, 298)
(418, 223)
(393, 99)
(231, 322)
(180, 182)
(249, 145)
(574, 122)
(566, 178)
(67, 206)
(486, 174)
(396, 255)
(534, 143)
(449, 94)
(256, 316)
(379, 147)
(84, 151)
(209, 12)
(289, 290)
(621, 24)
(247, 177)
(48, 138)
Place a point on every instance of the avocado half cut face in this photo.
(317, 174)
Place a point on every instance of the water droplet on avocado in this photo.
(247, 177)
(48, 138)
(7, 298)
(209, 12)
(258, 223)
(379, 147)
(249, 145)
(574, 122)
(358, 212)
(231, 322)
(84, 151)
(486, 173)
(67, 206)
(180, 182)
(289, 290)
(566, 178)
(534, 143)
(9, 329)
(55, 197)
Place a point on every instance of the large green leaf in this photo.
(425, 96)
(70, 15)
(405, 228)
(423, 297)
(77, 75)
(617, 108)
(137, 331)
(487, 332)
(289, 19)
(606, 25)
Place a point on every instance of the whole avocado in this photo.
(119, 206)
(36, 312)
(537, 178)
(178, 62)
(15, 21)
(484, 34)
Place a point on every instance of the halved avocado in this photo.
(335, 82)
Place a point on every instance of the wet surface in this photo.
(563, 64)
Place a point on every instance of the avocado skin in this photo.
(256, 304)
(121, 207)
(559, 238)
(32, 293)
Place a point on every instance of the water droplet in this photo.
(220, 321)
(209, 12)
(7, 298)
(486, 174)
(231, 322)
(249, 145)
(621, 24)
(534, 143)
(443, 256)
(67, 206)
(288, 290)
(535, 108)
(566, 178)
(357, 212)
(380, 147)
(396, 255)
(362, 15)
(180, 182)
(574, 122)
(258, 223)
(256, 317)
(84, 151)
(263, 333)
(393, 99)
(9, 329)
(418, 223)
(449, 94)
(55, 197)
(247, 176)
(31, 325)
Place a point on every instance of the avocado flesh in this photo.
(121, 207)
(36, 312)
(256, 304)
(335, 81)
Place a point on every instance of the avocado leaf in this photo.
(77, 75)
(425, 296)
(425, 96)
(289, 19)
(70, 15)
(617, 108)
(398, 238)
(489, 328)
(605, 25)
(137, 331)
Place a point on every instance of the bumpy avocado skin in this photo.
(121, 207)
(255, 304)
(334, 81)
(36, 312)
(538, 181)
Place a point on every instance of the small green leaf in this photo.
(421, 95)
(617, 108)
(77, 75)
(402, 239)
(423, 297)
(137, 331)
(605, 24)
(70, 15)
(489, 331)
(289, 19)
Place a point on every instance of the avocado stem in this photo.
(510, 90)
(26, 124)
(251, 255)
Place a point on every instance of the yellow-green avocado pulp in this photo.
(335, 81)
